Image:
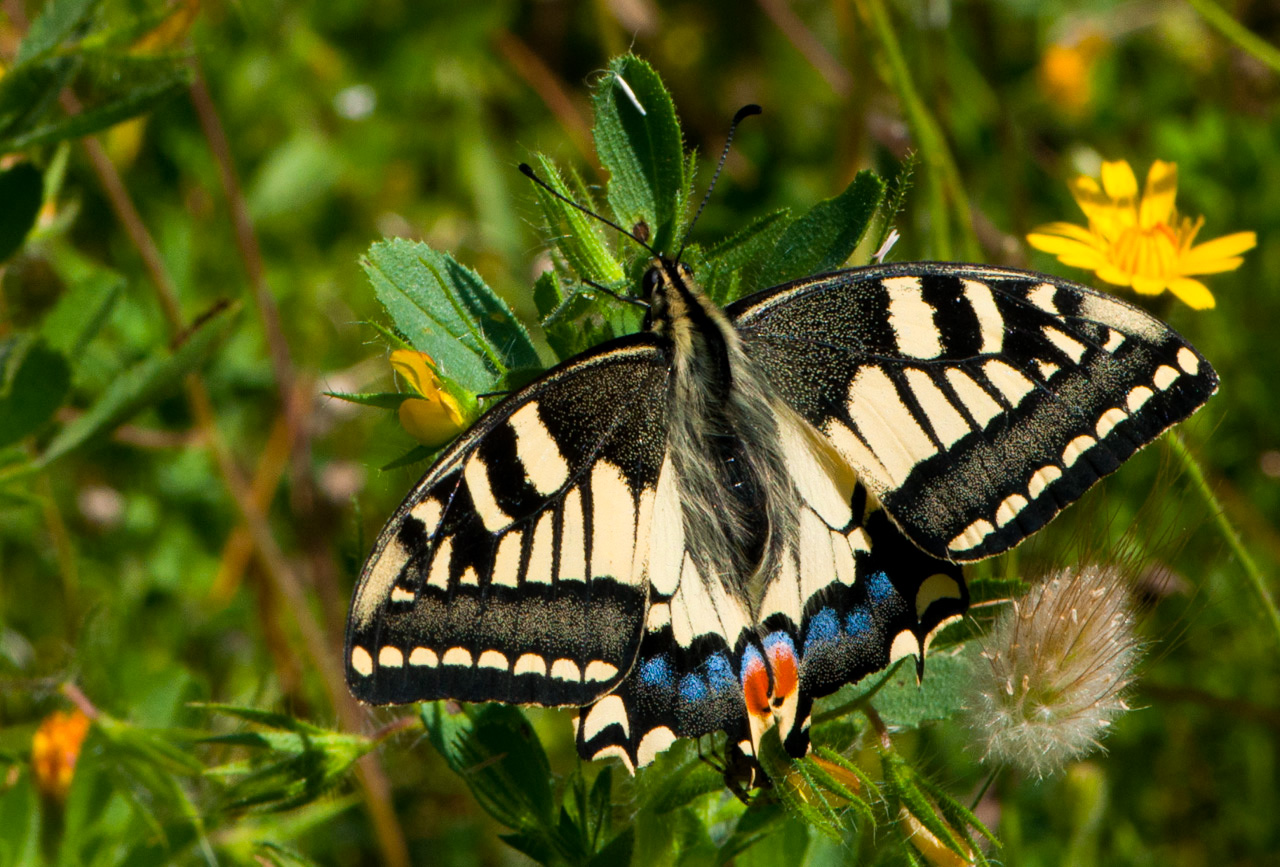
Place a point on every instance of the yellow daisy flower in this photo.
(1141, 241)
(434, 417)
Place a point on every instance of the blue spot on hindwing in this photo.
(720, 673)
(879, 588)
(693, 689)
(655, 671)
(823, 627)
(858, 622)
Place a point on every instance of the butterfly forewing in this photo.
(974, 402)
(517, 570)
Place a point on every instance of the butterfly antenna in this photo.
(528, 172)
(742, 114)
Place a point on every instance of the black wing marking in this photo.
(516, 570)
(974, 402)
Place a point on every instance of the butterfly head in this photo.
(667, 287)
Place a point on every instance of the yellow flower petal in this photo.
(1226, 247)
(417, 369)
(1112, 274)
(1159, 194)
(1071, 230)
(1069, 251)
(431, 421)
(1193, 293)
(1119, 181)
(1104, 216)
(1149, 285)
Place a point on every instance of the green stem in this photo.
(1198, 481)
(942, 176)
(1235, 32)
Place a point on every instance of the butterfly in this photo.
(708, 524)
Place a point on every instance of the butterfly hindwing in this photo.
(516, 570)
(975, 403)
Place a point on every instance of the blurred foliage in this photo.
(183, 509)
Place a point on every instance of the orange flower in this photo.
(54, 750)
(435, 417)
(1066, 72)
(1141, 242)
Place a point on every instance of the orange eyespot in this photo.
(782, 659)
(755, 685)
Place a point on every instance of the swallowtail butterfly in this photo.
(708, 524)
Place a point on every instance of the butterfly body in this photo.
(707, 525)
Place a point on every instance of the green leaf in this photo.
(34, 381)
(21, 192)
(294, 762)
(640, 143)
(903, 785)
(119, 87)
(685, 785)
(546, 294)
(764, 818)
(380, 399)
(744, 251)
(575, 235)
(19, 823)
(617, 852)
(942, 693)
(144, 384)
(81, 312)
(29, 92)
(495, 751)
(825, 236)
(447, 311)
(55, 24)
(415, 455)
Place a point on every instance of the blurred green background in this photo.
(129, 569)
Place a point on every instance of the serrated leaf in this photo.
(546, 294)
(746, 250)
(296, 761)
(942, 694)
(120, 87)
(638, 140)
(494, 750)
(904, 782)
(575, 235)
(34, 381)
(143, 384)
(584, 320)
(21, 192)
(447, 311)
(826, 235)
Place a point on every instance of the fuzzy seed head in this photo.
(1061, 660)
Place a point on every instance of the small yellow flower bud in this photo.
(434, 417)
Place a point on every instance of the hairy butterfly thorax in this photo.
(709, 524)
(738, 503)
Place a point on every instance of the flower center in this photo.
(1149, 252)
